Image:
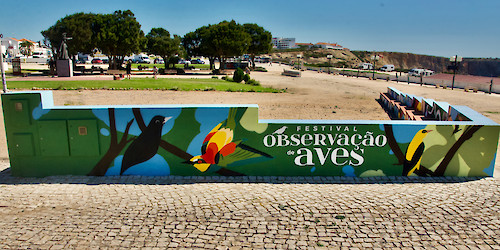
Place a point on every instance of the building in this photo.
(283, 43)
(328, 46)
(13, 48)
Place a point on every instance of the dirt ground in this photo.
(311, 96)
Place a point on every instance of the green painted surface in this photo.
(229, 140)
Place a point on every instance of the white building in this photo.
(283, 43)
(11, 46)
(329, 46)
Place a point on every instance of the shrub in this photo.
(253, 82)
(238, 75)
(260, 69)
(246, 78)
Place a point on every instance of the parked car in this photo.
(96, 61)
(420, 72)
(197, 61)
(141, 58)
(182, 61)
(159, 61)
(387, 68)
(365, 66)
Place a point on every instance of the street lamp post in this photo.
(374, 58)
(455, 59)
(298, 58)
(329, 64)
(4, 84)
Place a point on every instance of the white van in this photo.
(366, 66)
(142, 58)
(387, 68)
(420, 72)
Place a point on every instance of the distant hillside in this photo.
(469, 66)
(402, 61)
(406, 60)
(481, 67)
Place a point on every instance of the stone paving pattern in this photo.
(79, 212)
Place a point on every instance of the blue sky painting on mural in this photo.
(230, 140)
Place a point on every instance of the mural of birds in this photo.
(414, 152)
(219, 147)
(145, 146)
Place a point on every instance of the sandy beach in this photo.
(311, 96)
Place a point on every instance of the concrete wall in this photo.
(44, 139)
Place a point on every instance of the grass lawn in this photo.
(143, 83)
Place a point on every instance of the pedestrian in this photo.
(155, 72)
(52, 67)
(129, 69)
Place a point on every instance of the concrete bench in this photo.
(117, 74)
(292, 73)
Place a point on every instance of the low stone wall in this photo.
(230, 140)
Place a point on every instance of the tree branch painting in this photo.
(115, 147)
(468, 133)
(174, 149)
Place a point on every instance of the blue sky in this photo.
(431, 27)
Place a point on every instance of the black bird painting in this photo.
(145, 146)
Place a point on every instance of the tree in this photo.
(198, 43)
(26, 48)
(118, 35)
(221, 41)
(260, 40)
(160, 43)
(79, 26)
(229, 39)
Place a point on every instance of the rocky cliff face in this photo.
(481, 67)
(402, 61)
(469, 66)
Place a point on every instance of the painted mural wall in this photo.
(229, 140)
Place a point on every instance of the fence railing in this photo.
(485, 87)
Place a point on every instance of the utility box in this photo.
(83, 138)
(53, 138)
(16, 66)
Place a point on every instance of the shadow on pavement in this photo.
(7, 179)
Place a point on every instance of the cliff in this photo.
(402, 61)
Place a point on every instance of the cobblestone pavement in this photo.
(66, 212)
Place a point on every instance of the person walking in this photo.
(129, 69)
(155, 72)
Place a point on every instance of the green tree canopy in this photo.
(227, 39)
(26, 48)
(199, 43)
(116, 35)
(260, 40)
(119, 35)
(160, 43)
(79, 26)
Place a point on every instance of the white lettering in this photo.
(308, 156)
